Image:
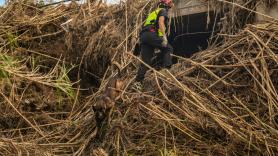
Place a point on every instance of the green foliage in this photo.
(5, 61)
(12, 38)
(63, 82)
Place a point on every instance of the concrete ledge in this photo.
(188, 7)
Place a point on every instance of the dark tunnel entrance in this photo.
(192, 33)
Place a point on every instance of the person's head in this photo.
(166, 4)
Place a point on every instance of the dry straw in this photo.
(222, 101)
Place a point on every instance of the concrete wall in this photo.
(190, 29)
(187, 7)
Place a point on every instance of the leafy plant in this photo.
(12, 39)
(6, 62)
(63, 82)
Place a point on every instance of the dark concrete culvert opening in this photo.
(192, 33)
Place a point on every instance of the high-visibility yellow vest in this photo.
(151, 20)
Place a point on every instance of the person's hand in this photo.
(165, 41)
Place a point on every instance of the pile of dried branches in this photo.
(222, 101)
(87, 36)
(43, 50)
(33, 104)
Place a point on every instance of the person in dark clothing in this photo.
(152, 36)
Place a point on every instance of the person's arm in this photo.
(162, 29)
(161, 24)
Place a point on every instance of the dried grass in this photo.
(222, 101)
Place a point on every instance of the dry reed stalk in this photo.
(222, 101)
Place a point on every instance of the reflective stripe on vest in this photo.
(151, 20)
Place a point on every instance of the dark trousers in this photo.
(150, 41)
